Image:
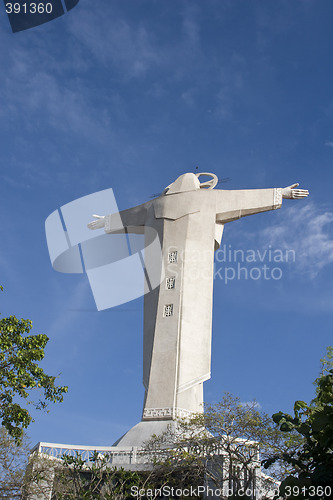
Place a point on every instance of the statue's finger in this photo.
(301, 195)
(304, 192)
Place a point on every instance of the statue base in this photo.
(143, 431)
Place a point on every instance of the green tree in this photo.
(72, 478)
(13, 463)
(21, 376)
(313, 462)
(96, 479)
(326, 364)
(219, 448)
(224, 445)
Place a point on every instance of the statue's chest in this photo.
(178, 205)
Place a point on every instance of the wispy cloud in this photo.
(112, 41)
(70, 304)
(37, 92)
(251, 405)
(189, 97)
(307, 230)
(329, 144)
(67, 108)
(49, 104)
(130, 50)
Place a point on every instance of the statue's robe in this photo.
(178, 313)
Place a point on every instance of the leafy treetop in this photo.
(20, 374)
(314, 422)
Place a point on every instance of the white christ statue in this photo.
(189, 218)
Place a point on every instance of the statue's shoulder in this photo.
(175, 206)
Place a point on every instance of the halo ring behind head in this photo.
(208, 184)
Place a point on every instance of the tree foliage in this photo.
(219, 448)
(96, 480)
(223, 444)
(20, 374)
(13, 462)
(72, 478)
(313, 462)
(326, 364)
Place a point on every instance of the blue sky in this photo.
(129, 95)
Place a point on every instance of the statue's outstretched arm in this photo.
(294, 194)
(98, 223)
(232, 205)
(115, 223)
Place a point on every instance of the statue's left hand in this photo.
(98, 223)
(294, 194)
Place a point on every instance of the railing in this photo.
(121, 455)
(136, 458)
(116, 455)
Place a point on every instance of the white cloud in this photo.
(191, 29)
(67, 108)
(132, 50)
(251, 405)
(37, 93)
(112, 41)
(69, 302)
(329, 144)
(308, 231)
(189, 97)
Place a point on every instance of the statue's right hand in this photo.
(98, 223)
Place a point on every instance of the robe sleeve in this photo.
(132, 217)
(232, 205)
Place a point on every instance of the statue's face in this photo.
(186, 182)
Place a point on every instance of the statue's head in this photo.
(190, 182)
